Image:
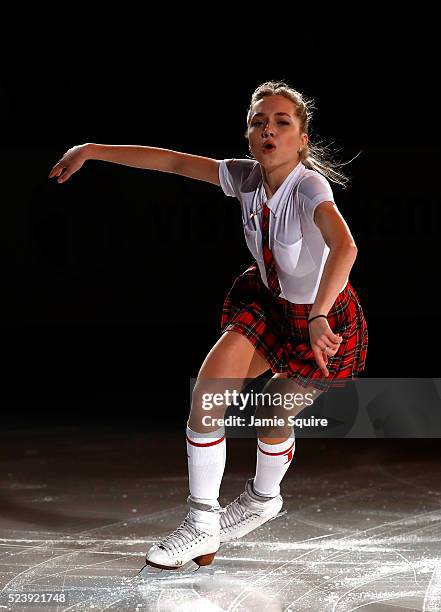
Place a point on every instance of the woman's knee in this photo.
(211, 398)
(230, 357)
(224, 372)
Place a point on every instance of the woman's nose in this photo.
(268, 130)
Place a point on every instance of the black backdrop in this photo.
(113, 282)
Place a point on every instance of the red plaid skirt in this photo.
(279, 331)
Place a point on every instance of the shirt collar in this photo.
(284, 189)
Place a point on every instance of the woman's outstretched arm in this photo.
(137, 156)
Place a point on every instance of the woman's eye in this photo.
(280, 122)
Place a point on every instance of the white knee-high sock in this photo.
(273, 460)
(206, 464)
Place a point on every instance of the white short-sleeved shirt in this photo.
(298, 247)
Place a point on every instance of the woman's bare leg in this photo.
(231, 360)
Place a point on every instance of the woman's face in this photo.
(273, 122)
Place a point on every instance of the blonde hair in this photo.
(315, 156)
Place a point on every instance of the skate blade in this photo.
(149, 572)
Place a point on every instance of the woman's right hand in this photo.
(71, 161)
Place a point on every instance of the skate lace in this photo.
(236, 512)
(180, 537)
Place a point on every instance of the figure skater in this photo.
(293, 311)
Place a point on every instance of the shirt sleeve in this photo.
(233, 173)
(313, 190)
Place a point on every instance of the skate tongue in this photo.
(208, 522)
(199, 504)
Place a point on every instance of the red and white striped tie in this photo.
(270, 264)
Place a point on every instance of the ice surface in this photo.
(362, 533)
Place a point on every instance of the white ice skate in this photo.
(247, 512)
(196, 539)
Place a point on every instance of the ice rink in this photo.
(80, 508)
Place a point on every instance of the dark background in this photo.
(112, 284)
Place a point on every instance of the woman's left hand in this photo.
(324, 342)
